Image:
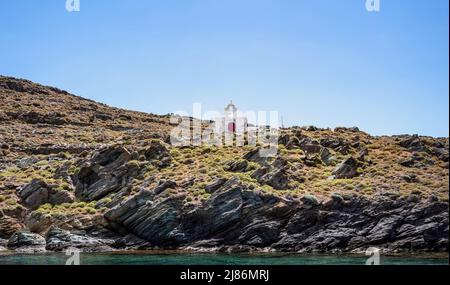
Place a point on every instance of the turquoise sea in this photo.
(176, 258)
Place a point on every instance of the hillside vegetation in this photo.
(71, 162)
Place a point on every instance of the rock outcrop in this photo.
(273, 174)
(26, 241)
(58, 240)
(38, 192)
(236, 216)
(106, 172)
(346, 169)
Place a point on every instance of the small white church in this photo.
(232, 121)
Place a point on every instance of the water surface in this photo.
(176, 258)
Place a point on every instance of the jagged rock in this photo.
(26, 241)
(260, 233)
(416, 161)
(255, 156)
(156, 222)
(415, 143)
(290, 141)
(312, 160)
(362, 154)
(215, 185)
(236, 216)
(9, 225)
(344, 129)
(58, 240)
(41, 222)
(384, 229)
(107, 172)
(274, 175)
(315, 153)
(57, 197)
(163, 185)
(164, 223)
(346, 169)
(237, 166)
(441, 153)
(158, 152)
(37, 193)
(336, 144)
(62, 172)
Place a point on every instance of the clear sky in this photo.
(320, 62)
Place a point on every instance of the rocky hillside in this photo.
(74, 172)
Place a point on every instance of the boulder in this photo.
(38, 192)
(415, 143)
(26, 241)
(336, 144)
(416, 161)
(34, 193)
(158, 153)
(277, 178)
(58, 240)
(346, 169)
(274, 174)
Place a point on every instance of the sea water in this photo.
(151, 258)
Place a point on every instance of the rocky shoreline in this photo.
(238, 220)
(85, 175)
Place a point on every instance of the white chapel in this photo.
(232, 121)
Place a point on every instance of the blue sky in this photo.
(321, 62)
